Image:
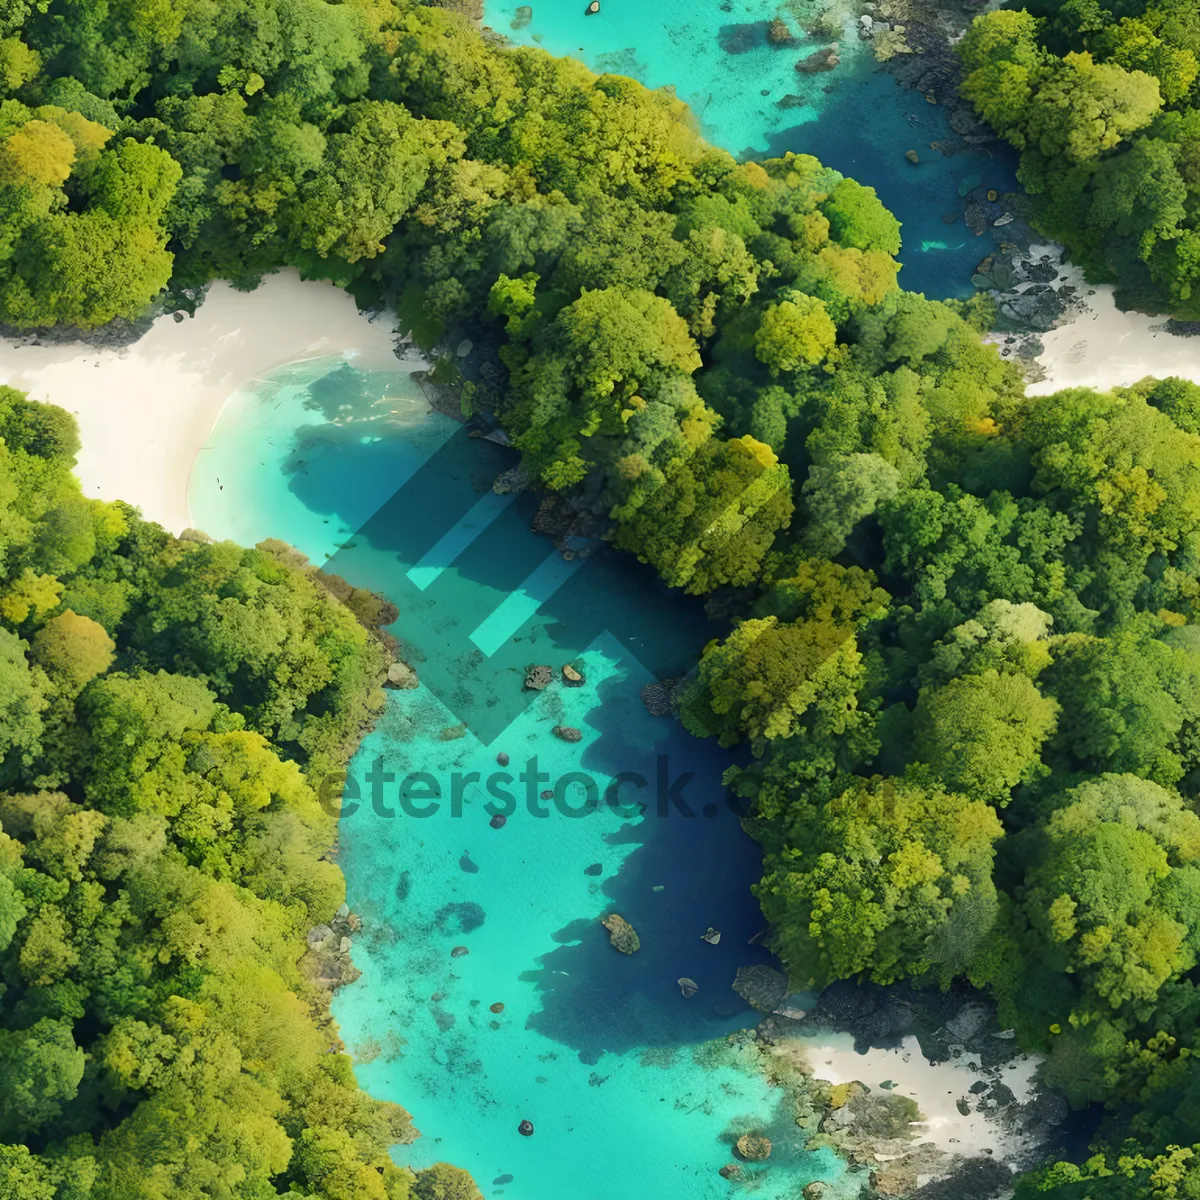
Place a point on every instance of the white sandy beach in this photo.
(145, 410)
(1104, 347)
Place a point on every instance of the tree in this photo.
(982, 734)
(874, 873)
(444, 1182)
(795, 333)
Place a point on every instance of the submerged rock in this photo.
(815, 1190)
(521, 17)
(498, 821)
(912, 156)
(621, 934)
(819, 60)
(778, 33)
(657, 698)
(568, 733)
(760, 986)
(594, 869)
(496, 1008)
(548, 794)
(525, 1129)
(537, 677)
(459, 951)
(730, 1170)
(502, 759)
(754, 1147)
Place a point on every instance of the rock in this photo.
(464, 348)
(711, 936)
(452, 733)
(344, 945)
(538, 677)
(459, 951)
(967, 1022)
(496, 1008)
(657, 699)
(515, 479)
(594, 869)
(689, 987)
(819, 60)
(498, 821)
(754, 1147)
(521, 17)
(730, 1170)
(592, 9)
(815, 1190)
(401, 677)
(621, 934)
(571, 677)
(760, 986)
(502, 759)
(568, 733)
(343, 911)
(903, 1175)
(791, 100)
(1006, 219)
(525, 1129)
(1005, 1033)
(548, 794)
(318, 935)
(778, 33)
(912, 156)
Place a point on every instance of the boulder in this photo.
(496, 1008)
(459, 951)
(689, 987)
(401, 677)
(525, 1129)
(568, 733)
(815, 1190)
(502, 759)
(621, 934)
(537, 677)
(912, 156)
(498, 821)
(762, 987)
(711, 936)
(754, 1147)
(592, 9)
(571, 677)
(819, 60)
(318, 935)
(778, 33)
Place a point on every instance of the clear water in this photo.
(855, 118)
(628, 1084)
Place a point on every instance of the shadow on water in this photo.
(689, 869)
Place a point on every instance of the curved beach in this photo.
(145, 411)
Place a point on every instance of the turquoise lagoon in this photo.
(626, 1082)
(856, 118)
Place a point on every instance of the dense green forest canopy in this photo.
(960, 652)
(1102, 98)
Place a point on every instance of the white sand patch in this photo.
(937, 1089)
(146, 410)
(1103, 347)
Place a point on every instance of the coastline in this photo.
(146, 410)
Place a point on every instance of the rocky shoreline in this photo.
(890, 1146)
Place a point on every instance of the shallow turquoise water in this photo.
(600, 1051)
(854, 118)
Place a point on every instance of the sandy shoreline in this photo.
(146, 410)
(1103, 347)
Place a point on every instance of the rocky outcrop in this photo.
(761, 987)
(621, 934)
(819, 60)
(515, 479)
(401, 677)
(327, 961)
(754, 1147)
(778, 33)
(521, 17)
(538, 677)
